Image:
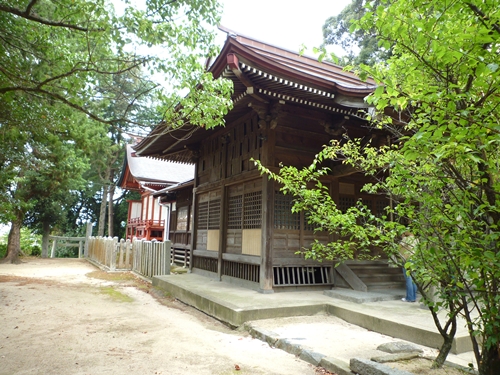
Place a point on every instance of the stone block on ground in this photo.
(399, 347)
(288, 346)
(395, 357)
(363, 366)
(335, 365)
(311, 356)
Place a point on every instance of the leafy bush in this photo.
(36, 251)
(67, 252)
(30, 243)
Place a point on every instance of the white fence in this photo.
(147, 258)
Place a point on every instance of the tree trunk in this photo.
(45, 239)
(447, 331)
(111, 211)
(490, 360)
(102, 213)
(444, 350)
(14, 242)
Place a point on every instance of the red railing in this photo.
(138, 222)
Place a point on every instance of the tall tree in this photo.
(444, 80)
(361, 45)
(441, 84)
(63, 51)
(110, 158)
(40, 165)
(68, 53)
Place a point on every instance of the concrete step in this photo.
(374, 311)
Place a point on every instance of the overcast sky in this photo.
(284, 23)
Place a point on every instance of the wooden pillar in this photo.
(334, 193)
(222, 230)
(88, 233)
(194, 219)
(145, 219)
(268, 135)
(223, 205)
(266, 258)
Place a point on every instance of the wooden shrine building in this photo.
(286, 107)
(148, 218)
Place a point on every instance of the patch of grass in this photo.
(118, 277)
(160, 293)
(128, 279)
(122, 278)
(116, 295)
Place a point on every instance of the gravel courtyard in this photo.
(64, 316)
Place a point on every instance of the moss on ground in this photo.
(115, 294)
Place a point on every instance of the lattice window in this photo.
(209, 214)
(203, 215)
(283, 216)
(235, 211)
(214, 214)
(380, 205)
(307, 226)
(345, 203)
(252, 215)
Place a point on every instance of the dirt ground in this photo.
(89, 322)
(64, 316)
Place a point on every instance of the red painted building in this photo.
(148, 218)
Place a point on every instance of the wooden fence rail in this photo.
(147, 258)
(151, 258)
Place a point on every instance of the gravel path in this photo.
(63, 316)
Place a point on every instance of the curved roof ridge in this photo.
(302, 65)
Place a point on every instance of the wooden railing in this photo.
(138, 222)
(147, 258)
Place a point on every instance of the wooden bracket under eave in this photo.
(234, 65)
(271, 114)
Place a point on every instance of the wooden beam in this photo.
(343, 170)
(233, 64)
(351, 278)
(186, 136)
(266, 260)
(194, 216)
